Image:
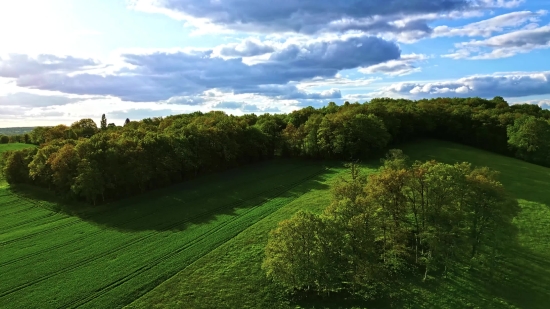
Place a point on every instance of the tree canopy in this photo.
(404, 220)
(118, 161)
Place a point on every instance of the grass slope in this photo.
(109, 256)
(14, 146)
(230, 276)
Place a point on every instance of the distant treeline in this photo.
(14, 135)
(94, 163)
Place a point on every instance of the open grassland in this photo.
(230, 276)
(109, 256)
(14, 146)
(203, 242)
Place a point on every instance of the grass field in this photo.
(230, 276)
(200, 244)
(110, 256)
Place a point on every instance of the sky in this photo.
(64, 60)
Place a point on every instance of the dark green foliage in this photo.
(155, 152)
(84, 128)
(4, 139)
(103, 124)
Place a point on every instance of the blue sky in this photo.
(63, 60)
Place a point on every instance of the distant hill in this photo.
(15, 131)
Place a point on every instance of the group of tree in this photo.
(408, 219)
(94, 163)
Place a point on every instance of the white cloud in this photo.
(486, 28)
(159, 75)
(510, 84)
(399, 67)
(504, 45)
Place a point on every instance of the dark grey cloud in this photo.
(487, 86)
(34, 100)
(161, 75)
(306, 16)
(17, 65)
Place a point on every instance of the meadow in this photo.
(231, 276)
(200, 244)
(106, 257)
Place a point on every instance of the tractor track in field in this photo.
(7, 242)
(279, 190)
(18, 211)
(196, 241)
(21, 223)
(15, 201)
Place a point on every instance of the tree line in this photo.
(406, 220)
(96, 164)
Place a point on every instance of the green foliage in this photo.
(231, 275)
(4, 139)
(427, 215)
(156, 152)
(103, 124)
(14, 165)
(84, 128)
(529, 137)
(107, 256)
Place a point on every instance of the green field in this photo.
(14, 146)
(231, 277)
(110, 256)
(200, 244)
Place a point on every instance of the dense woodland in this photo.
(96, 164)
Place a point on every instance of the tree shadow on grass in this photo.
(522, 281)
(200, 200)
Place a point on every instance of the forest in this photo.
(94, 163)
(409, 220)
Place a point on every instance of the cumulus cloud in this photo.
(399, 67)
(249, 47)
(290, 92)
(401, 20)
(486, 28)
(504, 45)
(228, 105)
(24, 99)
(18, 65)
(162, 75)
(183, 100)
(296, 16)
(514, 84)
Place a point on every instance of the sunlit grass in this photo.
(108, 256)
(231, 276)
